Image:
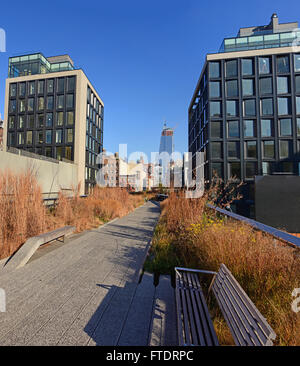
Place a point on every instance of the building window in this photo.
(282, 85)
(298, 126)
(69, 135)
(20, 138)
(266, 168)
(214, 70)
(40, 103)
(48, 152)
(297, 63)
(284, 107)
(40, 120)
(232, 88)
(70, 118)
(49, 119)
(232, 108)
(21, 105)
(59, 153)
(22, 89)
(41, 87)
(30, 121)
(29, 138)
(31, 87)
(50, 104)
(249, 107)
(214, 89)
(59, 136)
(251, 169)
(50, 86)
(231, 68)
(297, 83)
(233, 128)
(251, 149)
(267, 107)
(60, 102)
(70, 101)
(48, 137)
(21, 123)
(11, 122)
(248, 87)
(285, 148)
(59, 118)
(11, 139)
(60, 85)
(247, 67)
(249, 128)
(12, 106)
(266, 127)
(215, 109)
(216, 130)
(265, 86)
(268, 149)
(30, 105)
(217, 169)
(234, 170)
(283, 64)
(298, 105)
(71, 83)
(287, 167)
(285, 127)
(39, 137)
(216, 150)
(233, 148)
(264, 65)
(13, 90)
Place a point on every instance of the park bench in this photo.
(195, 327)
(22, 256)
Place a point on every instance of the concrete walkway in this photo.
(87, 291)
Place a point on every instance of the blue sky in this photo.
(143, 57)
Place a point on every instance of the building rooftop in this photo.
(272, 35)
(37, 63)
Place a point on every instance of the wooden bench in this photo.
(22, 256)
(195, 328)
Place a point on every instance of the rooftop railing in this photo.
(287, 238)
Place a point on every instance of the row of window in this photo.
(41, 103)
(284, 107)
(41, 137)
(41, 86)
(248, 87)
(32, 121)
(251, 169)
(248, 67)
(267, 128)
(250, 149)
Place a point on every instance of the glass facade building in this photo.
(245, 113)
(52, 110)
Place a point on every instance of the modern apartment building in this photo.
(52, 109)
(245, 111)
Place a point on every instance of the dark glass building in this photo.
(51, 109)
(245, 111)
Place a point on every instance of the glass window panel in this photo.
(58, 136)
(216, 150)
(248, 87)
(217, 169)
(32, 87)
(264, 65)
(60, 85)
(60, 102)
(267, 107)
(266, 128)
(50, 86)
(285, 127)
(40, 103)
(232, 108)
(68, 152)
(22, 89)
(20, 137)
(298, 105)
(69, 136)
(214, 89)
(233, 149)
(268, 149)
(50, 104)
(21, 123)
(234, 170)
(298, 126)
(284, 106)
(48, 152)
(41, 87)
(12, 105)
(70, 101)
(60, 118)
(231, 68)
(49, 119)
(251, 149)
(70, 118)
(266, 86)
(247, 67)
(58, 153)
(297, 63)
(29, 138)
(11, 122)
(297, 84)
(30, 121)
(282, 85)
(30, 106)
(249, 128)
(251, 169)
(232, 88)
(249, 107)
(233, 129)
(283, 64)
(216, 130)
(21, 105)
(11, 139)
(71, 83)
(39, 137)
(215, 109)
(285, 149)
(13, 90)
(266, 168)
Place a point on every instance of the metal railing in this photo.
(287, 238)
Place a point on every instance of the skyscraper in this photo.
(166, 150)
(166, 140)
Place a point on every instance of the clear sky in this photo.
(143, 57)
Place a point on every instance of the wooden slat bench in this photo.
(195, 328)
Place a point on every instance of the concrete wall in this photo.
(51, 176)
